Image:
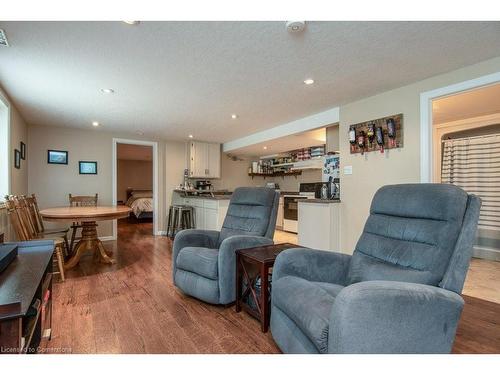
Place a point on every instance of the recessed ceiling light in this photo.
(234, 115)
(95, 123)
(138, 132)
(132, 22)
(108, 91)
(190, 136)
(295, 26)
(309, 81)
(265, 147)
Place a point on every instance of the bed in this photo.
(141, 203)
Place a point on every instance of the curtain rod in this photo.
(474, 137)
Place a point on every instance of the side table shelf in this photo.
(253, 280)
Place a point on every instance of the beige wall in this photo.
(52, 183)
(136, 174)
(18, 133)
(332, 138)
(373, 170)
(175, 163)
(235, 174)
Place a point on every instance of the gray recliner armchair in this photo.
(204, 261)
(400, 290)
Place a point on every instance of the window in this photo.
(4, 149)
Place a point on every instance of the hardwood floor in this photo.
(133, 307)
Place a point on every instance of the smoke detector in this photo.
(3, 39)
(295, 26)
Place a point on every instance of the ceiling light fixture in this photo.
(132, 22)
(295, 26)
(234, 116)
(107, 91)
(190, 136)
(138, 132)
(309, 81)
(95, 123)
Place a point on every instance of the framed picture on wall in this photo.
(17, 158)
(23, 151)
(57, 157)
(87, 167)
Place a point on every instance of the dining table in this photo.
(88, 217)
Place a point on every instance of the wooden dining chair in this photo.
(37, 219)
(20, 218)
(80, 201)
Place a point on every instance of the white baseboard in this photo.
(161, 233)
(486, 253)
(108, 238)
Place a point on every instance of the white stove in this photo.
(291, 206)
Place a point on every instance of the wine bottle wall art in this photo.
(376, 135)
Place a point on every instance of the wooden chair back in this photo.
(34, 214)
(26, 217)
(83, 200)
(39, 218)
(19, 218)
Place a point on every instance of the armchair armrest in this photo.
(227, 262)
(312, 265)
(192, 237)
(393, 317)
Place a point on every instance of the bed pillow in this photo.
(142, 194)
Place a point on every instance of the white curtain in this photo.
(474, 165)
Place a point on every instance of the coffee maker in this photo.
(204, 185)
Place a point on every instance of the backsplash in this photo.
(235, 174)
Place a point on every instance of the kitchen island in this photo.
(209, 210)
(319, 224)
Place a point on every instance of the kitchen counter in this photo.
(288, 193)
(216, 196)
(327, 201)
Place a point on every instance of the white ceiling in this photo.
(310, 138)
(479, 102)
(125, 151)
(178, 78)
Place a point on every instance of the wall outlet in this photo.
(348, 169)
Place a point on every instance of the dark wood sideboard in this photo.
(26, 300)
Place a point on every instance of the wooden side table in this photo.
(252, 264)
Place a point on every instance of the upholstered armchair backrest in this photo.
(413, 232)
(252, 211)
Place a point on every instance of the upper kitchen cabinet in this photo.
(204, 160)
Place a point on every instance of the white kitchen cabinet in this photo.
(319, 225)
(279, 219)
(209, 214)
(210, 218)
(204, 160)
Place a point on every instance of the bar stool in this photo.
(179, 217)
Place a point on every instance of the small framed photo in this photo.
(87, 167)
(17, 159)
(23, 151)
(57, 157)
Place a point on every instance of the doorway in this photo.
(135, 182)
(466, 153)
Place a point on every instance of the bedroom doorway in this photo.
(135, 183)
(466, 153)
